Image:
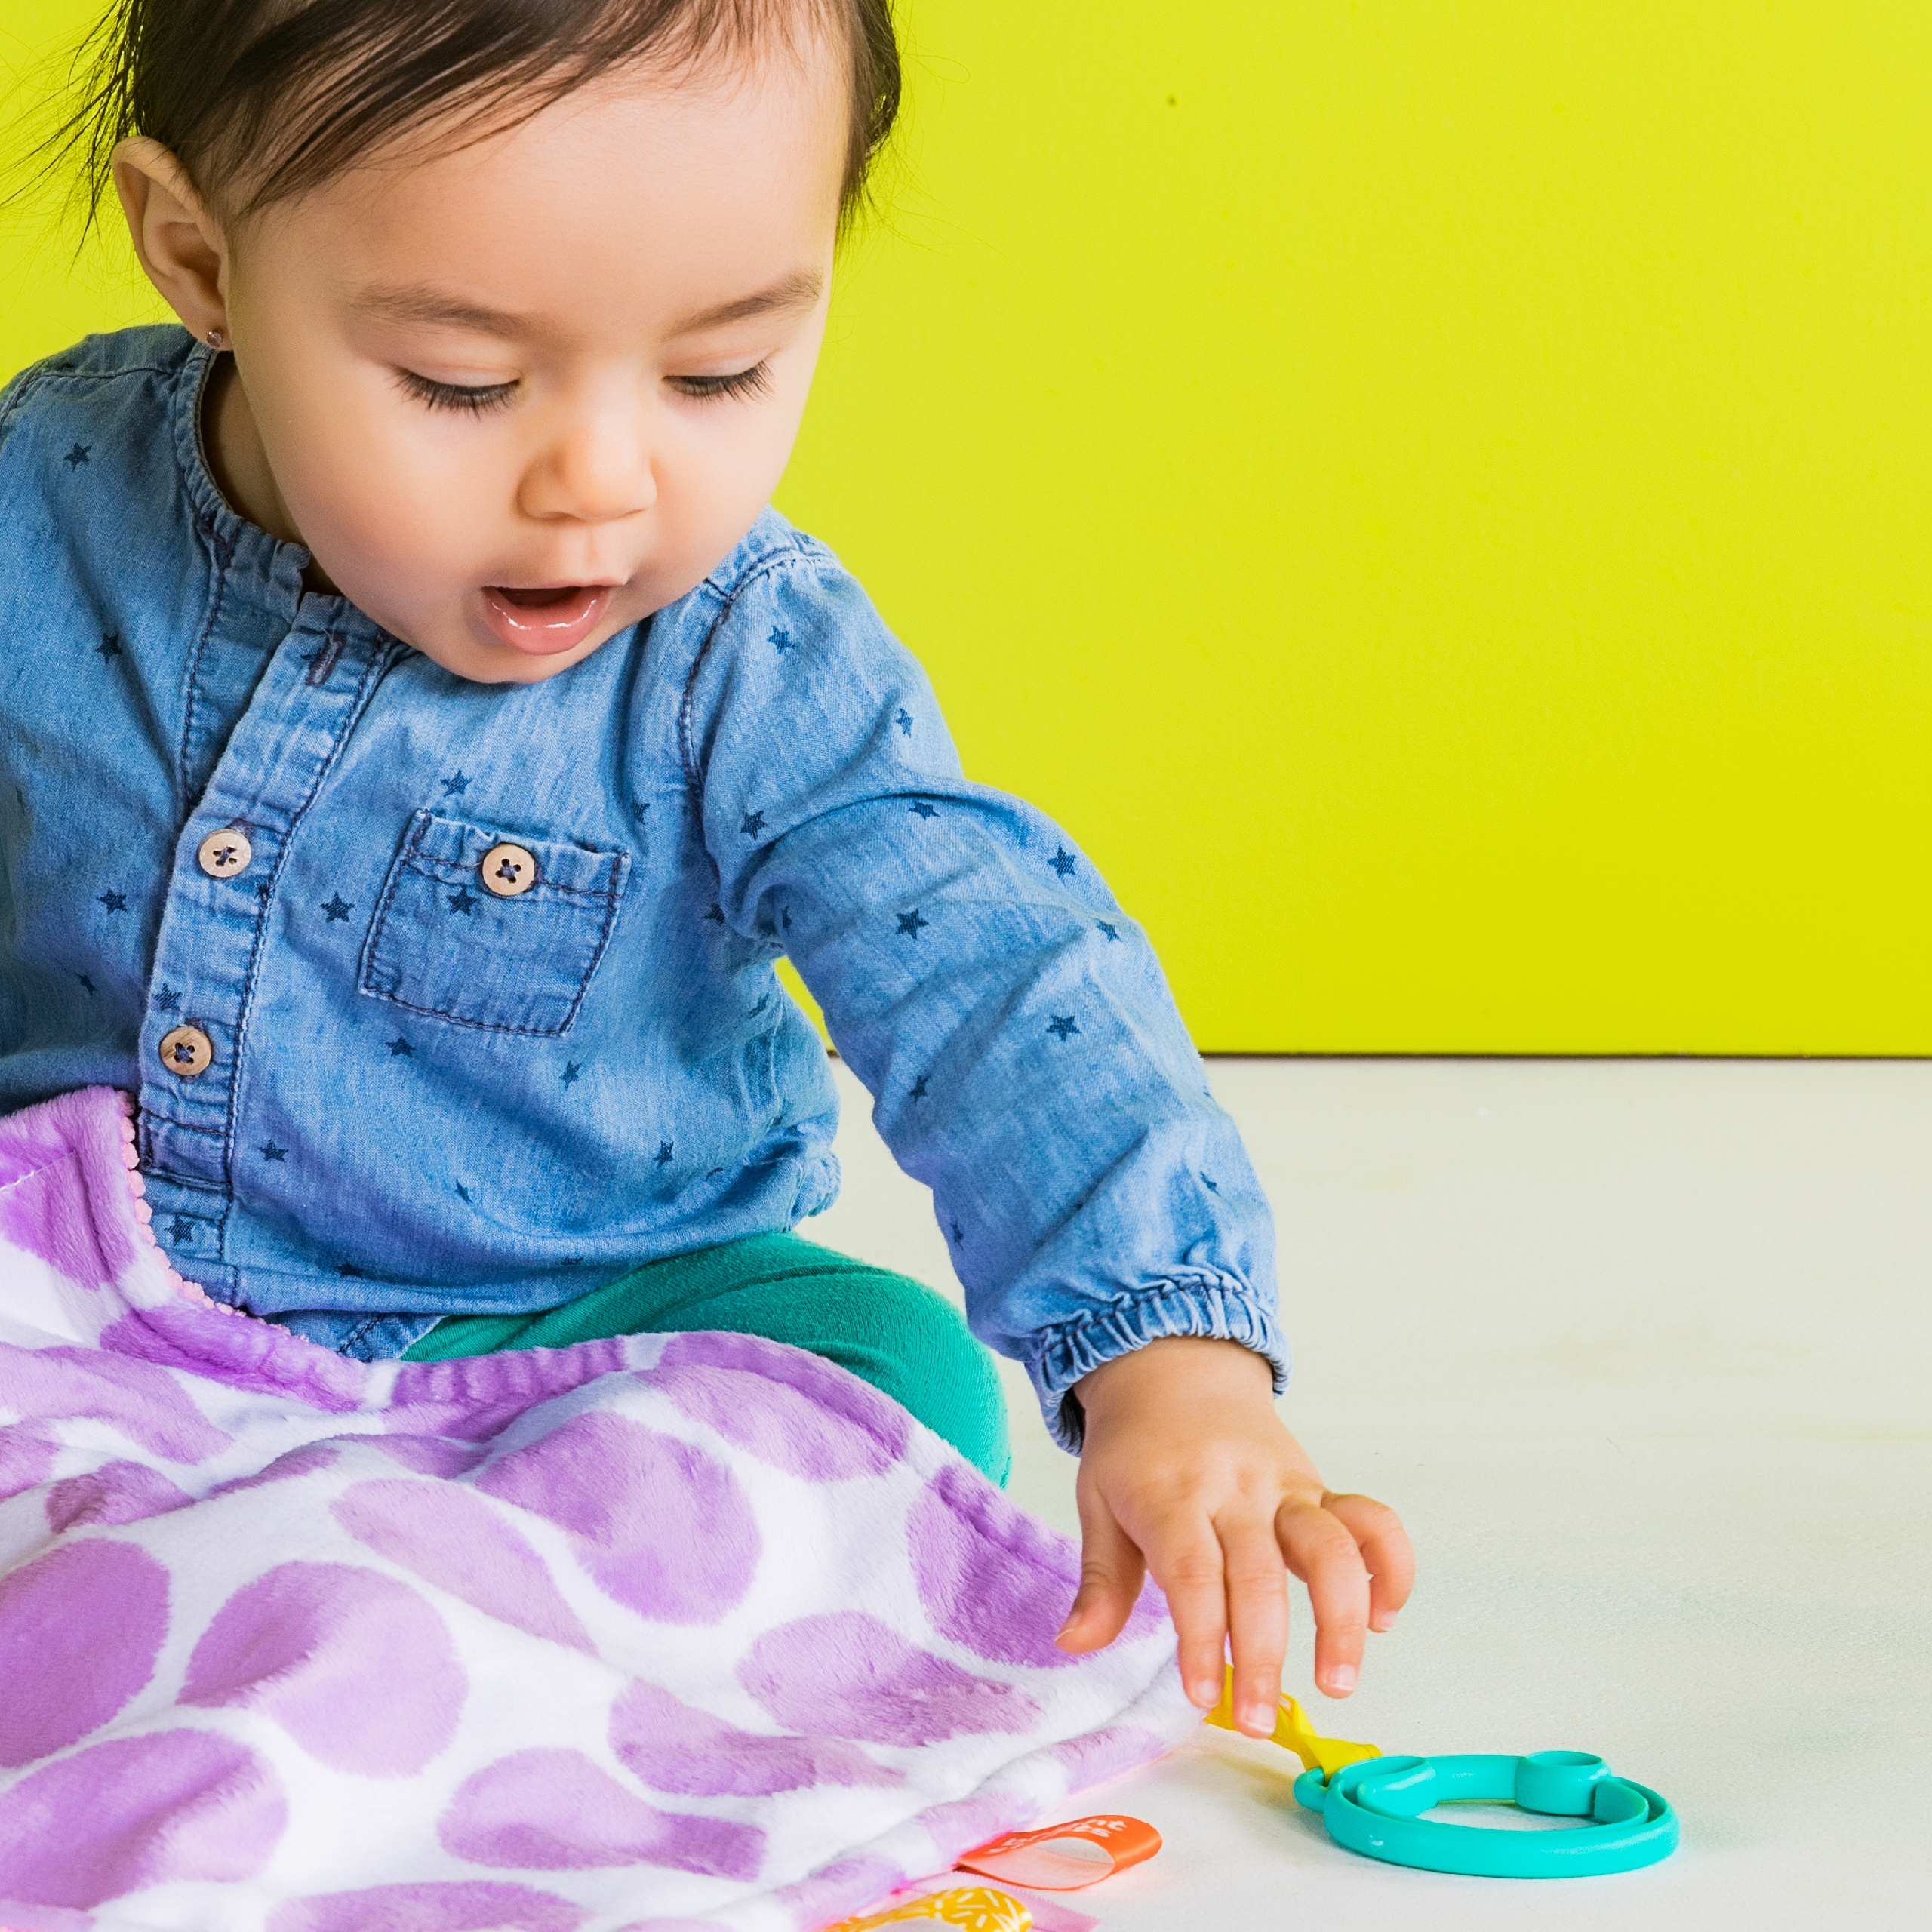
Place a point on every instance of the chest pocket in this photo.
(492, 928)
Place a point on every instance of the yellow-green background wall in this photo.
(1434, 496)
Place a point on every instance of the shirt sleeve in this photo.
(1025, 1056)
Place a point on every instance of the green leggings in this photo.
(889, 1330)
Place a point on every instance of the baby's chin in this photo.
(465, 650)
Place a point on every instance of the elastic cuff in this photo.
(1202, 1306)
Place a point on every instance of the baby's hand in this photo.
(1188, 1473)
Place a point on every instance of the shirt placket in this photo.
(226, 865)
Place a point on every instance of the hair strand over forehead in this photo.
(264, 100)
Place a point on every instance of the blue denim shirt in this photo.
(424, 1097)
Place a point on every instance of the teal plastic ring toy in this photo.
(1374, 1807)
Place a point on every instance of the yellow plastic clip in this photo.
(1293, 1732)
(968, 1907)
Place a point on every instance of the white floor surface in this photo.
(1640, 1351)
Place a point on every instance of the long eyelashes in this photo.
(740, 385)
(475, 401)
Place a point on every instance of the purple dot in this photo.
(848, 1675)
(779, 1425)
(1102, 1754)
(455, 1541)
(355, 1667)
(460, 1907)
(115, 1493)
(26, 1457)
(825, 1383)
(429, 1455)
(145, 1403)
(670, 1747)
(994, 1581)
(839, 1890)
(659, 1526)
(476, 1397)
(556, 1811)
(302, 1462)
(79, 1633)
(968, 1821)
(171, 1806)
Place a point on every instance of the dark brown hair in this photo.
(262, 100)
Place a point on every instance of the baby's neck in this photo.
(240, 463)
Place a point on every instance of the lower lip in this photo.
(542, 630)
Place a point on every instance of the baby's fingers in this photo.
(1385, 1549)
(1257, 1592)
(1185, 1556)
(1322, 1553)
(1111, 1574)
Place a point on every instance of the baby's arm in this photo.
(1188, 1473)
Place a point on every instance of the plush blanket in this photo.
(662, 1634)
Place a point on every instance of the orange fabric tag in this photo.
(1045, 1860)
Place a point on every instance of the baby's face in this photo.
(516, 396)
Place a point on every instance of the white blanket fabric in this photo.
(665, 1634)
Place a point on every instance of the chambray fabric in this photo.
(427, 1100)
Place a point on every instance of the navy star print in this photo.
(337, 909)
(1112, 932)
(462, 900)
(180, 1228)
(919, 1092)
(751, 824)
(348, 1271)
(1208, 1181)
(910, 923)
(782, 641)
(166, 999)
(716, 915)
(958, 1234)
(114, 902)
(77, 455)
(86, 982)
(922, 810)
(400, 1046)
(270, 1152)
(455, 787)
(263, 890)
(1063, 863)
(663, 1154)
(109, 646)
(904, 722)
(1063, 1026)
(573, 1072)
(462, 1190)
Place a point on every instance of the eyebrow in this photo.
(798, 289)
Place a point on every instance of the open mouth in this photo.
(544, 619)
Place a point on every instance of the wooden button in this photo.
(187, 1052)
(225, 854)
(508, 870)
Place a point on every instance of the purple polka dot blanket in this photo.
(660, 1634)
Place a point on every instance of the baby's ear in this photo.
(175, 234)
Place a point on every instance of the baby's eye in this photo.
(740, 385)
(433, 395)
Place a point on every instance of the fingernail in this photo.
(1342, 1680)
(1257, 1717)
(1206, 1692)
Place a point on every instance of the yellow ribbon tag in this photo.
(1294, 1732)
(969, 1908)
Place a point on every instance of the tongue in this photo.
(539, 600)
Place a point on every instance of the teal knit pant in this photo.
(887, 1329)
